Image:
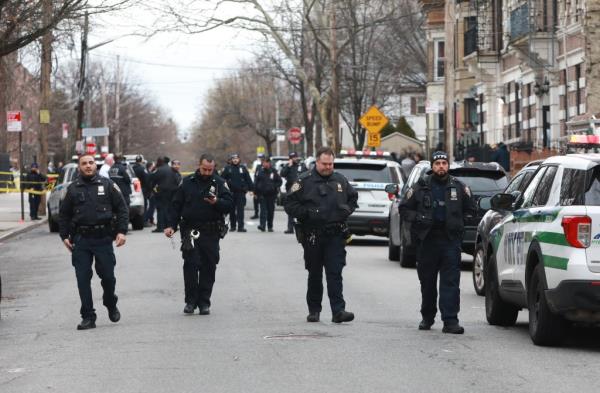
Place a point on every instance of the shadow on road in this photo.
(368, 242)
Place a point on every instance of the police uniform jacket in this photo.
(417, 207)
(35, 181)
(118, 174)
(316, 200)
(291, 174)
(189, 205)
(238, 178)
(164, 180)
(267, 182)
(142, 174)
(92, 202)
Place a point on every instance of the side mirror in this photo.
(502, 202)
(485, 203)
(391, 189)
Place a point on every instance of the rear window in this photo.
(580, 187)
(482, 182)
(365, 172)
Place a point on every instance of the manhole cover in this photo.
(293, 336)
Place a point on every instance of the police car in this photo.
(544, 255)
(369, 174)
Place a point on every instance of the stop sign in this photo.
(294, 135)
(90, 148)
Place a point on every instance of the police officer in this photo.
(267, 186)
(164, 183)
(35, 182)
(290, 173)
(118, 174)
(198, 211)
(257, 168)
(321, 200)
(91, 205)
(240, 183)
(143, 176)
(436, 208)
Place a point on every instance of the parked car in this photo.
(483, 179)
(491, 218)
(544, 255)
(370, 177)
(69, 173)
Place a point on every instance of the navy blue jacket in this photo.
(238, 178)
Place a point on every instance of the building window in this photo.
(417, 105)
(439, 60)
(470, 35)
(509, 106)
(566, 94)
(517, 111)
(578, 88)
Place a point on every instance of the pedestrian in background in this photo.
(436, 208)
(322, 200)
(164, 184)
(118, 174)
(36, 183)
(257, 168)
(149, 214)
(143, 176)
(176, 168)
(90, 207)
(239, 181)
(290, 173)
(198, 211)
(267, 186)
(109, 161)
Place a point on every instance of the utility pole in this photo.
(117, 130)
(335, 93)
(45, 89)
(82, 68)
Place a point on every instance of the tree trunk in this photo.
(46, 91)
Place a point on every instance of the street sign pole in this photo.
(21, 172)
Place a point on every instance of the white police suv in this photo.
(544, 255)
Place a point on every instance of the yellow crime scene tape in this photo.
(14, 184)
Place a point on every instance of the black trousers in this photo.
(199, 267)
(85, 251)
(329, 252)
(256, 205)
(163, 203)
(34, 205)
(267, 210)
(439, 255)
(236, 217)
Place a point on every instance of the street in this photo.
(256, 338)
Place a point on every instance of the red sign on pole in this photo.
(90, 148)
(13, 121)
(294, 135)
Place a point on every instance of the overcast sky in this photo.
(177, 69)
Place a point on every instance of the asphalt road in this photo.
(256, 339)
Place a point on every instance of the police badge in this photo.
(296, 186)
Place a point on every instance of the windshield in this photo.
(483, 183)
(364, 172)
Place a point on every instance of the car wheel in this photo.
(137, 222)
(497, 311)
(393, 251)
(545, 327)
(478, 275)
(52, 224)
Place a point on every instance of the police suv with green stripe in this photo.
(544, 255)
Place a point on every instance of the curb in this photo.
(20, 231)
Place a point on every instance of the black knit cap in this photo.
(439, 155)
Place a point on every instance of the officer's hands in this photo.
(169, 232)
(211, 201)
(120, 240)
(68, 244)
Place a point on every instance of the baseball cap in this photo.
(293, 154)
(34, 165)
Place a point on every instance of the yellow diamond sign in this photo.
(374, 120)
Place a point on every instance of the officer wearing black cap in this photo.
(436, 208)
(321, 200)
(267, 186)
(239, 181)
(257, 168)
(92, 215)
(35, 182)
(290, 173)
(198, 210)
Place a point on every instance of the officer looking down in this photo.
(239, 182)
(92, 215)
(198, 210)
(436, 207)
(321, 200)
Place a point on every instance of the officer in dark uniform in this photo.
(35, 182)
(321, 200)
(198, 211)
(290, 173)
(164, 183)
(267, 186)
(143, 176)
(118, 174)
(92, 215)
(257, 169)
(436, 208)
(240, 183)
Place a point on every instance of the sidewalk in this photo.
(10, 216)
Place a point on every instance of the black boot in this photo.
(204, 310)
(342, 316)
(189, 308)
(453, 329)
(87, 323)
(113, 314)
(425, 325)
(313, 317)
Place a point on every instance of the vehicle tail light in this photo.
(578, 230)
(391, 197)
(137, 186)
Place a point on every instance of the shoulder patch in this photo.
(296, 186)
(116, 187)
(409, 193)
(468, 191)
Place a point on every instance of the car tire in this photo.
(52, 224)
(545, 327)
(497, 311)
(393, 251)
(478, 271)
(137, 222)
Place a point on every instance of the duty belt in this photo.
(93, 230)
